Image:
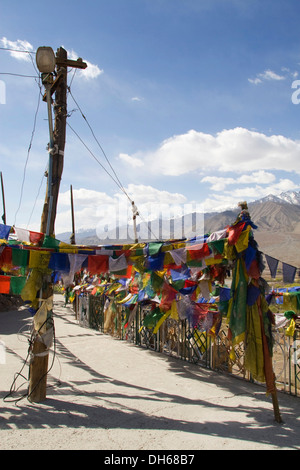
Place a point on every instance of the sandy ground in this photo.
(108, 394)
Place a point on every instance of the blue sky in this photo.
(191, 100)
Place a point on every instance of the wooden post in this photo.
(38, 369)
(39, 365)
(72, 237)
(3, 200)
(59, 138)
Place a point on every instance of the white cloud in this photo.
(239, 150)
(283, 185)
(144, 193)
(92, 71)
(97, 209)
(269, 75)
(255, 81)
(237, 164)
(229, 199)
(260, 176)
(19, 45)
(218, 203)
(219, 183)
(132, 161)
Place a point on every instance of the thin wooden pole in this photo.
(57, 156)
(72, 237)
(39, 365)
(276, 406)
(3, 200)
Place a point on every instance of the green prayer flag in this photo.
(50, 242)
(237, 312)
(154, 248)
(217, 245)
(156, 281)
(17, 284)
(20, 257)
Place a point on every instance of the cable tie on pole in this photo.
(55, 150)
(134, 209)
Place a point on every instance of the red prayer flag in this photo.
(4, 284)
(6, 256)
(97, 264)
(199, 253)
(234, 232)
(35, 237)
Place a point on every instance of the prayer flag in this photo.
(272, 263)
(98, 264)
(289, 273)
(4, 284)
(28, 236)
(4, 231)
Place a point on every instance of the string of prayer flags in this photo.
(20, 257)
(28, 236)
(5, 257)
(4, 231)
(179, 256)
(289, 273)
(98, 264)
(59, 262)
(12, 285)
(4, 284)
(117, 264)
(272, 264)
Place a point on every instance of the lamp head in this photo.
(45, 59)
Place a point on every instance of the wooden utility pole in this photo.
(57, 153)
(40, 347)
(3, 200)
(72, 237)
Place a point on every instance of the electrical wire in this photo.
(27, 158)
(18, 75)
(37, 196)
(12, 391)
(100, 146)
(98, 161)
(16, 50)
(116, 179)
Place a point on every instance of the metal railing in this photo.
(180, 339)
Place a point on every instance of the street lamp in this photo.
(45, 61)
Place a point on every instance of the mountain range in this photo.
(277, 219)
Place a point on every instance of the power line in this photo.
(28, 153)
(115, 181)
(16, 50)
(100, 146)
(36, 199)
(18, 75)
(98, 161)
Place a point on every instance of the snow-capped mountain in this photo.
(290, 197)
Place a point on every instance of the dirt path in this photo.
(107, 394)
